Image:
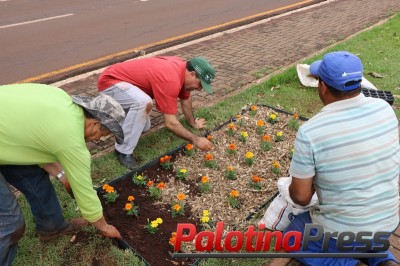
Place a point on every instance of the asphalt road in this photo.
(44, 36)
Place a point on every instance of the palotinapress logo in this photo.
(259, 243)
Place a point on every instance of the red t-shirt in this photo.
(160, 77)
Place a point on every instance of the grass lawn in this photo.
(378, 48)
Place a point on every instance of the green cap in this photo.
(204, 71)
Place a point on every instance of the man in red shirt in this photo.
(134, 84)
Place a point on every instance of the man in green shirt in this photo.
(44, 131)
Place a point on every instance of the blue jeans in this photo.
(36, 186)
(298, 225)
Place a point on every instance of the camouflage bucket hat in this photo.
(105, 109)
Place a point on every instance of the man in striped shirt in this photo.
(349, 154)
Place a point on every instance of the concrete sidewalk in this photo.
(241, 55)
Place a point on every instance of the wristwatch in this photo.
(60, 174)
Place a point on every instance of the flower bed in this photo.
(225, 184)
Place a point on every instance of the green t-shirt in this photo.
(40, 124)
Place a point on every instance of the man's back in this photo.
(352, 148)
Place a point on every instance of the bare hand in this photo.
(111, 232)
(199, 123)
(203, 144)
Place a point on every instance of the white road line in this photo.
(34, 21)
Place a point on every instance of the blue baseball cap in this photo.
(338, 68)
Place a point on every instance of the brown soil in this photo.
(155, 248)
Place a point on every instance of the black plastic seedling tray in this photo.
(384, 95)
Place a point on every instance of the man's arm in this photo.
(301, 190)
(187, 110)
(54, 169)
(173, 124)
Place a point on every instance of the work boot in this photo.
(74, 225)
(126, 160)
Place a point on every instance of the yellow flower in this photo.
(275, 164)
(206, 213)
(154, 224)
(244, 134)
(279, 133)
(131, 198)
(181, 196)
(205, 219)
(128, 206)
(249, 155)
(234, 194)
(159, 220)
(176, 207)
(139, 177)
(183, 171)
(272, 116)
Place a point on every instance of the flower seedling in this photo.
(139, 180)
(230, 173)
(165, 162)
(272, 118)
(291, 153)
(204, 185)
(232, 149)
(243, 136)
(189, 150)
(256, 182)
(276, 167)
(240, 120)
(130, 207)
(260, 127)
(209, 161)
(266, 144)
(155, 191)
(178, 208)
(294, 122)
(111, 195)
(210, 138)
(279, 136)
(249, 158)
(181, 174)
(253, 110)
(230, 130)
(152, 226)
(233, 199)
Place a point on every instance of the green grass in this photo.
(379, 49)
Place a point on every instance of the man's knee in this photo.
(17, 235)
(149, 107)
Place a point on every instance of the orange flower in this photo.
(167, 158)
(181, 196)
(172, 239)
(204, 179)
(209, 157)
(296, 116)
(161, 185)
(267, 138)
(209, 137)
(260, 123)
(230, 168)
(256, 179)
(131, 198)
(253, 107)
(150, 183)
(105, 186)
(232, 147)
(239, 117)
(109, 189)
(189, 146)
(234, 194)
(128, 206)
(162, 160)
(231, 126)
(176, 207)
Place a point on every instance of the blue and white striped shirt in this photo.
(351, 149)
